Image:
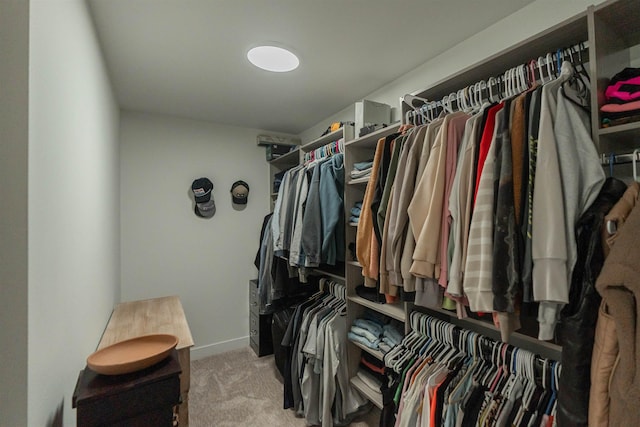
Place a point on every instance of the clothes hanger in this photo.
(634, 160)
(554, 380)
(524, 84)
(473, 96)
(540, 63)
(550, 71)
(490, 83)
(559, 60)
(411, 100)
(460, 100)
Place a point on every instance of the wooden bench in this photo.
(155, 316)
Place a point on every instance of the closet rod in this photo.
(618, 159)
(325, 151)
(423, 324)
(551, 59)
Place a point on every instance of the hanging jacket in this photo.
(331, 188)
(478, 279)
(429, 195)
(406, 226)
(605, 347)
(396, 218)
(618, 215)
(383, 170)
(619, 285)
(311, 239)
(577, 328)
(366, 242)
(505, 267)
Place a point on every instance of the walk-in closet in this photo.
(424, 215)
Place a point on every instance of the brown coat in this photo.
(619, 285)
(618, 215)
(366, 243)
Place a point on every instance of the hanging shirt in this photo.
(429, 196)
(454, 136)
(479, 266)
(460, 204)
(366, 242)
(402, 191)
(332, 209)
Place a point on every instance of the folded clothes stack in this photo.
(375, 331)
(361, 169)
(371, 372)
(622, 96)
(355, 213)
(391, 337)
(367, 333)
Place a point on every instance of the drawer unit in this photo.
(259, 325)
(144, 398)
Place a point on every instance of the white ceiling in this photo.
(188, 57)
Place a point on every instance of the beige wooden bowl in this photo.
(132, 355)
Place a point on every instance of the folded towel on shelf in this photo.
(390, 342)
(363, 165)
(364, 341)
(370, 326)
(372, 365)
(369, 380)
(392, 333)
(354, 219)
(355, 211)
(372, 337)
(384, 347)
(360, 174)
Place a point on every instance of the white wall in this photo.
(528, 21)
(74, 204)
(14, 140)
(166, 248)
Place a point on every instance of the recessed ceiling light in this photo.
(273, 58)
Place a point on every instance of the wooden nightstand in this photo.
(144, 398)
(155, 316)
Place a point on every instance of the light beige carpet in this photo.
(239, 389)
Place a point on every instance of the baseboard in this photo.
(219, 347)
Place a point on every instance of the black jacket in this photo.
(578, 318)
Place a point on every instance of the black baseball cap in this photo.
(201, 188)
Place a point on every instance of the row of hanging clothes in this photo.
(308, 224)
(306, 228)
(316, 380)
(475, 200)
(442, 375)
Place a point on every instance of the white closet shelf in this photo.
(354, 263)
(375, 398)
(353, 224)
(375, 353)
(331, 274)
(392, 310)
(290, 159)
(371, 139)
(357, 181)
(619, 137)
(344, 132)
